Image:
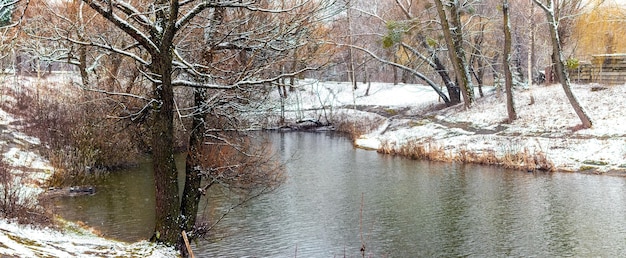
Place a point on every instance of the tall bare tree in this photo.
(431, 57)
(510, 104)
(225, 51)
(408, 45)
(453, 34)
(553, 23)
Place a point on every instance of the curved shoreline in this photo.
(566, 150)
(547, 125)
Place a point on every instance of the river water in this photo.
(338, 199)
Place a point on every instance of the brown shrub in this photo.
(78, 134)
(16, 201)
(487, 157)
(387, 148)
(240, 162)
(436, 152)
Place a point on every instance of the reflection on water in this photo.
(123, 206)
(409, 208)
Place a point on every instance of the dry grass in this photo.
(511, 158)
(356, 127)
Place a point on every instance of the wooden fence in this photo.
(604, 69)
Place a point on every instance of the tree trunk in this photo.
(294, 68)
(561, 72)
(555, 74)
(351, 69)
(531, 49)
(480, 75)
(510, 104)
(453, 90)
(395, 70)
(191, 192)
(167, 223)
(116, 62)
(454, 41)
(82, 65)
(477, 58)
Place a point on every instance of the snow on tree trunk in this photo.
(560, 63)
(454, 41)
(167, 229)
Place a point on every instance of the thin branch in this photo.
(432, 84)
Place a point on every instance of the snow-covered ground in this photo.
(26, 241)
(546, 126)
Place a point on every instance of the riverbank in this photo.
(410, 120)
(71, 241)
(56, 238)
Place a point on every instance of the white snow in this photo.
(27, 241)
(312, 94)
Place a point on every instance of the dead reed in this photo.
(510, 158)
(356, 127)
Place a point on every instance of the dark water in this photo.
(337, 199)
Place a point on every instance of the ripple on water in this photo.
(409, 209)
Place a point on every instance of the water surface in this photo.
(337, 199)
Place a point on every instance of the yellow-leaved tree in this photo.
(599, 31)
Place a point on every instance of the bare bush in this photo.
(241, 163)
(244, 166)
(16, 201)
(79, 137)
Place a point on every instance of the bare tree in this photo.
(510, 104)
(553, 23)
(226, 51)
(406, 45)
(453, 34)
(432, 58)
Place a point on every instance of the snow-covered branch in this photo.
(112, 49)
(547, 8)
(136, 15)
(194, 84)
(129, 29)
